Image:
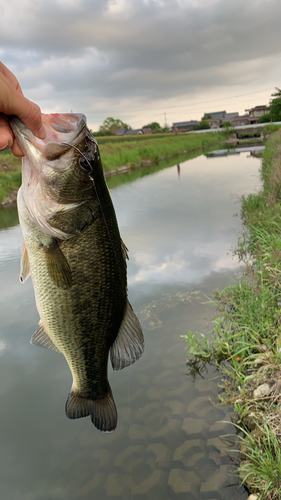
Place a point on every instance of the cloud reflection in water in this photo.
(178, 230)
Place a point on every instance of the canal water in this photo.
(179, 224)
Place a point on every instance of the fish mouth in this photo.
(63, 127)
(43, 163)
(62, 131)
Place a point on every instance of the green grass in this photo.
(134, 174)
(9, 217)
(262, 461)
(271, 127)
(9, 182)
(245, 342)
(118, 151)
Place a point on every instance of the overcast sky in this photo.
(139, 59)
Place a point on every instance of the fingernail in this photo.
(5, 147)
(41, 133)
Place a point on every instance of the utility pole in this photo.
(165, 123)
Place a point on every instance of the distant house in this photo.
(256, 112)
(212, 123)
(121, 131)
(137, 131)
(146, 130)
(217, 115)
(230, 116)
(124, 131)
(184, 126)
(240, 120)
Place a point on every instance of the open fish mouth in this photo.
(62, 129)
(48, 165)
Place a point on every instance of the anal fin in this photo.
(129, 343)
(103, 410)
(42, 339)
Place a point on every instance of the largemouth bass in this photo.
(74, 253)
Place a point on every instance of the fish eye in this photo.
(86, 164)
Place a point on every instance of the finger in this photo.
(6, 134)
(11, 77)
(30, 114)
(16, 149)
(7, 138)
(12, 102)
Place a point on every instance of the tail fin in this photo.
(103, 410)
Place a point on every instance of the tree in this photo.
(155, 127)
(201, 126)
(265, 118)
(204, 125)
(207, 117)
(110, 125)
(275, 106)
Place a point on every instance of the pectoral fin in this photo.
(57, 264)
(24, 264)
(129, 343)
(42, 339)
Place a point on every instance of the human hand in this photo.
(13, 102)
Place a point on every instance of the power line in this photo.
(189, 105)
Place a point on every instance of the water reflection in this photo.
(8, 216)
(166, 445)
(194, 219)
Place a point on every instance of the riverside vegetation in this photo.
(246, 336)
(117, 152)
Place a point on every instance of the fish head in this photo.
(57, 172)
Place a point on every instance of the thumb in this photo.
(29, 113)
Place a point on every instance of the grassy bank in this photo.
(10, 173)
(136, 173)
(136, 152)
(246, 335)
(118, 151)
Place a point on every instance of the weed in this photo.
(245, 341)
(260, 468)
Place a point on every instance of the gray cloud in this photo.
(92, 51)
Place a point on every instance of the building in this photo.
(121, 131)
(256, 112)
(137, 131)
(230, 116)
(146, 130)
(219, 117)
(216, 115)
(240, 120)
(213, 123)
(184, 126)
(124, 131)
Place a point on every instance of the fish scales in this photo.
(77, 261)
